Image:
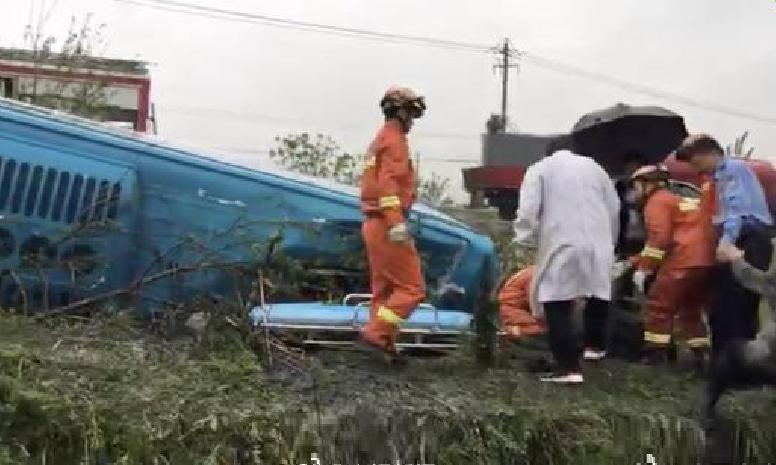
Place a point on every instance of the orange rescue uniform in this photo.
(708, 209)
(387, 194)
(680, 246)
(514, 306)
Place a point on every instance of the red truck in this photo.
(498, 185)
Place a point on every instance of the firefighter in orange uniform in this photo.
(679, 251)
(514, 299)
(387, 194)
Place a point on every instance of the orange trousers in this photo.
(677, 296)
(514, 306)
(396, 282)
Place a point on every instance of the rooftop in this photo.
(135, 67)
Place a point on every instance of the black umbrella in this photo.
(614, 135)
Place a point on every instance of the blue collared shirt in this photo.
(740, 199)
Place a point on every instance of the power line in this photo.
(252, 151)
(220, 13)
(563, 68)
(461, 161)
(528, 57)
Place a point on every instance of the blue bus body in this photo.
(86, 209)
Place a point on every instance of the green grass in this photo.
(107, 391)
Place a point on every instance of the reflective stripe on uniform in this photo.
(698, 342)
(687, 204)
(651, 252)
(371, 160)
(391, 201)
(657, 338)
(388, 315)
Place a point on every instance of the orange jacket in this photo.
(678, 233)
(515, 303)
(708, 196)
(388, 181)
(709, 207)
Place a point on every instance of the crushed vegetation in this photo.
(113, 391)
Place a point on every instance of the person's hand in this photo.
(640, 280)
(620, 268)
(728, 253)
(398, 233)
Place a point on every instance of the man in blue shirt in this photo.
(742, 219)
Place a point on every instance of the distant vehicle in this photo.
(85, 209)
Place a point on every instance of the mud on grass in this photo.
(107, 391)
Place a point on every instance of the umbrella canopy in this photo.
(613, 135)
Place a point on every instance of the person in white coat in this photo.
(569, 209)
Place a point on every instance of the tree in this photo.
(319, 156)
(736, 150)
(322, 157)
(435, 191)
(83, 42)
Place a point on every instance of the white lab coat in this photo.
(569, 209)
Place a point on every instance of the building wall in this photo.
(108, 90)
(7, 87)
(123, 97)
(514, 149)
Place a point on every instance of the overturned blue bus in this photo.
(87, 210)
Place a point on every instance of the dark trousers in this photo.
(733, 313)
(562, 333)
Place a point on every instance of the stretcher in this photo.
(331, 325)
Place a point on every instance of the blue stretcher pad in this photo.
(317, 314)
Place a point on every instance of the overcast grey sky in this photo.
(234, 86)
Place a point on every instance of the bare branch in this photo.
(133, 288)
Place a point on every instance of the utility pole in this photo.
(154, 119)
(504, 80)
(505, 51)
